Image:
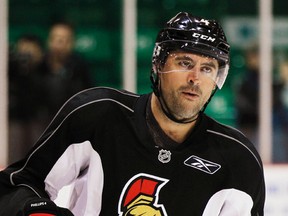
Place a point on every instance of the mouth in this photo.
(190, 95)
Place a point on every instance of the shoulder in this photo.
(225, 131)
(232, 141)
(97, 100)
(239, 160)
(101, 94)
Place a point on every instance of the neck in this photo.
(175, 130)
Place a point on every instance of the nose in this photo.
(193, 76)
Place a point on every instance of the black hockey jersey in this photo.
(99, 142)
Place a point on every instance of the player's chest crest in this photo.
(164, 156)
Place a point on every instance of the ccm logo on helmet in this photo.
(204, 37)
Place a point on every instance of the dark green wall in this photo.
(99, 34)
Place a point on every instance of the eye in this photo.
(207, 70)
(185, 64)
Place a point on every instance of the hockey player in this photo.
(154, 154)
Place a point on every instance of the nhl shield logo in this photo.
(164, 156)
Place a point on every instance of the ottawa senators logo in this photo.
(140, 196)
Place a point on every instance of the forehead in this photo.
(61, 31)
(189, 56)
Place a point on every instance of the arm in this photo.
(239, 202)
(244, 190)
(51, 164)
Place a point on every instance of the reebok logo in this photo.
(201, 164)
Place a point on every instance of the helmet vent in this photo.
(224, 47)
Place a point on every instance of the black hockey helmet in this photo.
(193, 34)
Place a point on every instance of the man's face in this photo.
(187, 81)
(30, 50)
(60, 40)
